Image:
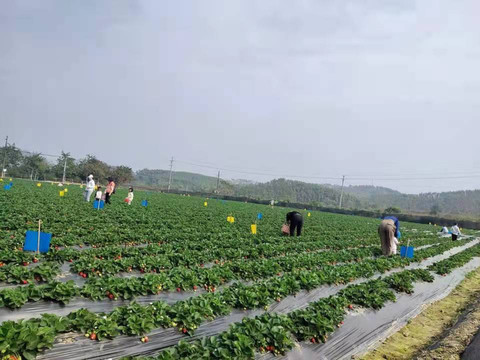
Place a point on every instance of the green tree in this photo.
(71, 169)
(91, 165)
(435, 209)
(13, 159)
(35, 166)
(123, 174)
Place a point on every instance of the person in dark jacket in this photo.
(295, 220)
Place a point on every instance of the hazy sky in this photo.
(315, 89)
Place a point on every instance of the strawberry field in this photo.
(176, 280)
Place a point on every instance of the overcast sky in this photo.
(303, 88)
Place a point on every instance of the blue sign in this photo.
(259, 216)
(145, 203)
(98, 204)
(31, 241)
(406, 251)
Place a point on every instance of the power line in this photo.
(258, 173)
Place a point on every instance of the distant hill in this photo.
(453, 202)
(356, 197)
(185, 181)
(297, 191)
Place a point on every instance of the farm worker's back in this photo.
(388, 230)
(295, 220)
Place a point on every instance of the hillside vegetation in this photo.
(355, 197)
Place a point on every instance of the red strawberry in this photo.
(110, 296)
(35, 260)
(1, 264)
(24, 282)
(350, 307)
(93, 336)
(184, 330)
(313, 340)
(194, 287)
(178, 289)
(25, 263)
(70, 260)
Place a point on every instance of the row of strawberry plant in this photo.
(26, 339)
(248, 269)
(275, 333)
(446, 266)
(184, 279)
(15, 274)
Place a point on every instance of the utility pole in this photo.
(64, 169)
(4, 157)
(218, 181)
(341, 193)
(170, 177)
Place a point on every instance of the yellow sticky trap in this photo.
(39, 184)
(62, 193)
(205, 204)
(253, 228)
(66, 190)
(309, 214)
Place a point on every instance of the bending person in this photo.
(295, 220)
(388, 230)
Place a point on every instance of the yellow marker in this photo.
(11, 179)
(205, 204)
(232, 219)
(39, 184)
(1, 180)
(228, 218)
(309, 214)
(62, 193)
(96, 187)
(253, 228)
(66, 190)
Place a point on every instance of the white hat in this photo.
(90, 176)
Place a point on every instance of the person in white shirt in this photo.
(129, 198)
(455, 232)
(395, 243)
(89, 188)
(98, 194)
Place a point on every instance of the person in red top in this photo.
(109, 190)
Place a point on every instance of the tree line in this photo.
(35, 166)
